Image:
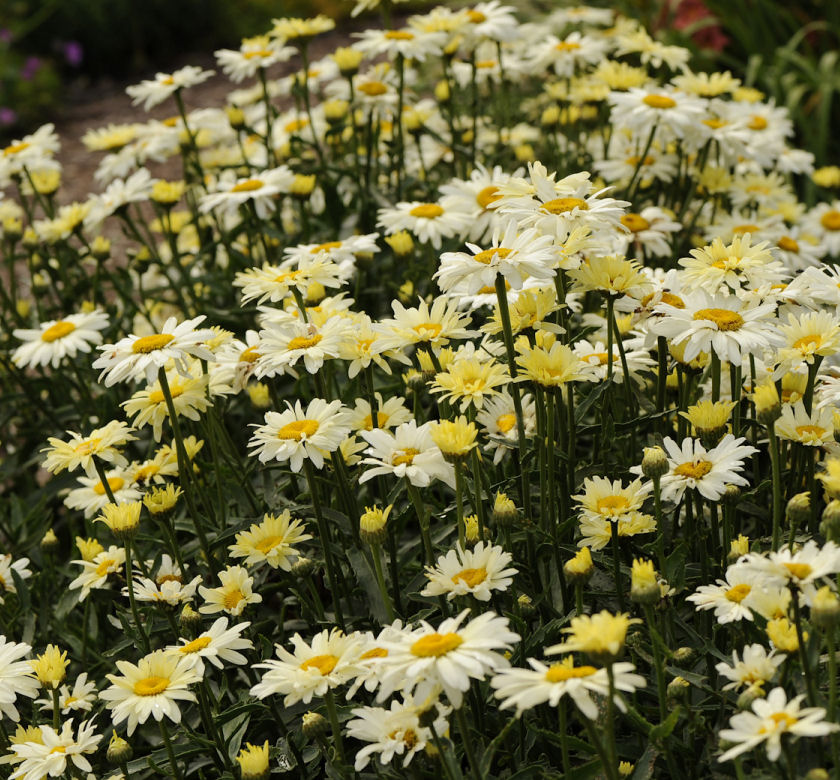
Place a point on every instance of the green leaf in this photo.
(664, 729)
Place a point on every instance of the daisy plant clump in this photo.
(458, 401)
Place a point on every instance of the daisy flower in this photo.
(271, 541)
(411, 44)
(612, 275)
(151, 688)
(91, 497)
(803, 568)
(80, 451)
(497, 417)
(296, 434)
(15, 677)
(52, 341)
(254, 54)
(476, 571)
(389, 414)
(604, 499)
(50, 755)
(811, 430)
(135, 189)
(217, 644)
(395, 731)
(430, 222)
(330, 660)
(273, 283)
(650, 231)
(282, 346)
(95, 572)
(152, 92)
(669, 111)
(425, 658)
(363, 346)
(806, 337)
(408, 452)
(232, 596)
(260, 188)
(601, 636)
(477, 196)
(769, 721)
(823, 222)
(691, 466)
(724, 325)
(731, 599)
(548, 684)
(135, 357)
(434, 326)
(717, 266)
(516, 256)
(169, 591)
(755, 668)
(7, 578)
(595, 354)
(469, 381)
(81, 698)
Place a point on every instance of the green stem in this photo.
(832, 691)
(459, 503)
(380, 579)
(616, 551)
(422, 519)
(173, 764)
(775, 465)
(329, 700)
(803, 650)
(468, 745)
(129, 579)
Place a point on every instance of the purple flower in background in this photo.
(73, 53)
(7, 116)
(6, 35)
(30, 68)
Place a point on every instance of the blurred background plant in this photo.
(45, 45)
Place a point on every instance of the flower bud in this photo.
(731, 494)
(472, 531)
(236, 117)
(314, 725)
(625, 768)
(817, 773)
(654, 462)
(100, 248)
(190, 620)
(677, 689)
(825, 608)
(579, 569)
(644, 589)
(526, 605)
(830, 525)
(161, 501)
(50, 667)
(122, 519)
(782, 633)
(737, 548)
(752, 693)
(119, 751)
(259, 394)
(683, 655)
(302, 568)
(455, 438)
(798, 509)
(253, 761)
(504, 511)
(49, 541)
(768, 408)
(373, 524)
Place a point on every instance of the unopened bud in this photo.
(526, 605)
(302, 567)
(678, 689)
(738, 547)
(190, 620)
(644, 588)
(119, 751)
(49, 541)
(752, 693)
(799, 508)
(825, 608)
(504, 511)
(830, 525)
(579, 569)
(654, 462)
(683, 655)
(314, 725)
(373, 524)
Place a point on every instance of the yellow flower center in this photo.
(564, 205)
(147, 344)
(376, 652)
(298, 429)
(666, 297)
(249, 185)
(780, 719)
(506, 422)
(611, 505)
(488, 254)
(635, 223)
(407, 457)
(723, 318)
(296, 124)
(476, 17)
(195, 645)
(232, 598)
(426, 211)
(115, 483)
(808, 431)
(267, 544)
(15, 148)
(485, 64)
(601, 357)
(304, 342)
(560, 672)
(59, 749)
(381, 419)
(249, 55)
(428, 330)
(175, 389)
(103, 568)
(470, 577)
(737, 594)
(151, 686)
(323, 663)
(487, 196)
(86, 447)
(788, 244)
(696, 470)
(567, 46)
(799, 570)
(757, 123)
(373, 88)
(325, 247)
(715, 124)
(398, 35)
(61, 329)
(808, 344)
(436, 645)
(659, 101)
(636, 159)
(249, 355)
(831, 220)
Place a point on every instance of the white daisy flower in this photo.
(271, 541)
(284, 344)
(79, 451)
(411, 44)
(424, 659)
(234, 594)
(595, 354)
(692, 467)
(394, 732)
(434, 325)
(273, 283)
(52, 341)
(92, 496)
(810, 430)
(430, 222)
(51, 755)
(769, 721)
(548, 684)
(261, 189)
(477, 572)
(498, 419)
(136, 188)
(7, 579)
(754, 668)
(80, 698)
(253, 55)
(151, 688)
(170, 591)
(296, 434)
(217, 644)
(408, 452)
(95, 573)
(311, 669)
(135, 357)
(152, 92)
(389, 414)
(731, 599)
(803, 568)
(15, 677)
(650, 231)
